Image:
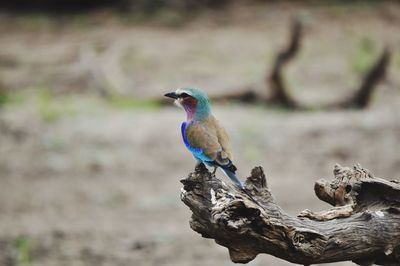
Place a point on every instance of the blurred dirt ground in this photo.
(89, 181)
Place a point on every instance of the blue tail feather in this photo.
(233, 177)
(237, 182)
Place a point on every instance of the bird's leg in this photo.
(215, 170)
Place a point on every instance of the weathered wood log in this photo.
(363, 226)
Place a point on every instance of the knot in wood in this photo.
(347, 174)
(309, 243)
(192, 184)
(257, 177)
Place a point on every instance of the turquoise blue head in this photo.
(193, 101)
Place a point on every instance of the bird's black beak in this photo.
(172, 95)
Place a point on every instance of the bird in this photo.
(203, 134)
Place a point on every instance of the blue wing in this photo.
(197, 152)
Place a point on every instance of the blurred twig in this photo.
(362, 97)
(280, 94)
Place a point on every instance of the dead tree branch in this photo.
(362, 97)
(363, 226)
(280, 94)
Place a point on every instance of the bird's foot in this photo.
(200, 167)
(214, 171)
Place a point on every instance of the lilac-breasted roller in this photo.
(202, 134)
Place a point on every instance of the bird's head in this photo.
(194, 101)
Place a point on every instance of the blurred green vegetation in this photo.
(23, 251)
(397, 59)
(51, 108)
(363, 56)
(10, 98)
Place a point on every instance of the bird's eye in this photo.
(184, 95)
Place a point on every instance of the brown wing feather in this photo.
(200, 137)
(211, 138)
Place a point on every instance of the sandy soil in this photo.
(100, 185)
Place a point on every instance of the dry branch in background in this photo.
(362, 97)
(280, 94)
(363, 225)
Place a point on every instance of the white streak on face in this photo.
(178, 103)
(180, 91)
(379, 214)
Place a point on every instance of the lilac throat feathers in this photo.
(196, 110)
(190, 106)
(190, 111)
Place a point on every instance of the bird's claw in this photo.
(214, 171)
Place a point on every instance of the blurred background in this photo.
(91, 158)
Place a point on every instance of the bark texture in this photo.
(363, 225)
